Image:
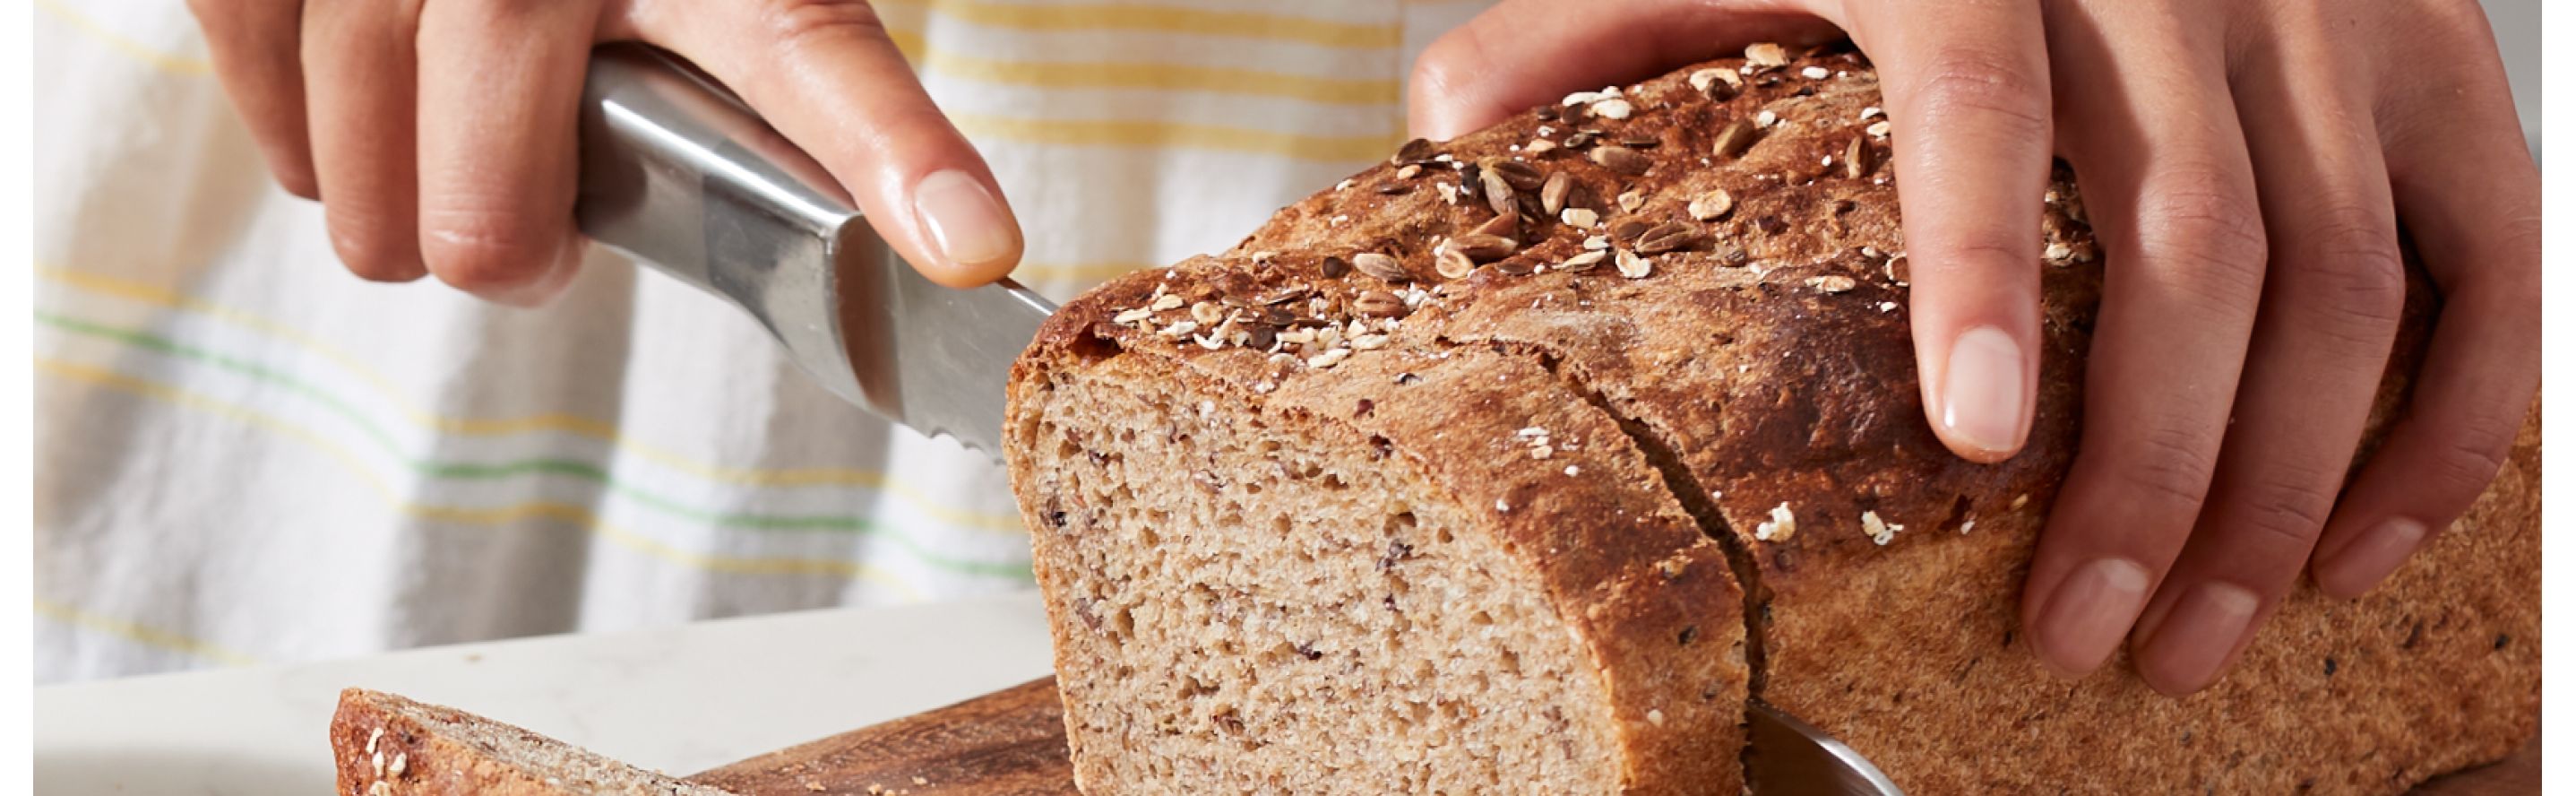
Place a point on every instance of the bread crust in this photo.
(1649, 596)
(1769, 368)
(379, 748)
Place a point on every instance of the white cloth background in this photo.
(244, 454)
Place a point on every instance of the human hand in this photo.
(440, 134)
(2245, 165)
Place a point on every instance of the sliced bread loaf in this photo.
(1423, 487)
(386, 745)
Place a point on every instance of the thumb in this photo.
(1531, 52)
(826, 75)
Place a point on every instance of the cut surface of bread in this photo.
(386, 745)
(1707, 268)
(1373, 584)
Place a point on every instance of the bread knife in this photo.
(681, 176)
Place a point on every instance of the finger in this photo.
(253, 46)
(2469, 193)
(1531, 52)
(2331, 301)
(497, 142)
(826, 75)
(2171, 193)
(1967, 93)
(358, 58)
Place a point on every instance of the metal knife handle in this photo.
(681, 176)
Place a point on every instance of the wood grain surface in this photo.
(1011, 743)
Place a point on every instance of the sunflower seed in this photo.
(1381, 266)
(1613, 108)
(1670, 237)
(1539, 147)
(1167, 301)
(1596, 243)
(1719, 84)
(1283, 295)
(1521, 176)
(1627, 230)
(1483, 248)
(1732, 141)
(1369, 342)
(1137, 315)
(1515, 267)
(1621, 159)
(1578, 217)
(1453, 265)
(1498, 192)
(1713, 205)
(1379, 304)
(1836, 283)
(1551, 195)
(1858, 159)
(1766, 55)
(1633, 266)
(1879, 129)
(1815, 73)
(1330, 357)
(1410, 171)
(1584, 261)
(1414, 150)
(1506, 226)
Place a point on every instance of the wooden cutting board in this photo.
(1011, 743)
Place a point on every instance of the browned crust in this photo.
(1649, 596)
(370, 727)
(1771, 390)
(1006, 743)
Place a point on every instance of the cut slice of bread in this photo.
(1362, 504)
(386, 745)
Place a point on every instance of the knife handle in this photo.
(682, 177)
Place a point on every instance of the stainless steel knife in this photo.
(679, 175)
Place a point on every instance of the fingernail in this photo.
(2368, 559)
(965, 221)
(2204, 626)
(1981, 393)
(2089, 616)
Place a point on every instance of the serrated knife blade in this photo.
(1789, 757)
(679, 175)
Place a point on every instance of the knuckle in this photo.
(2208, 231)
(797, 24)
(2171, 469)
(2464, 465)
(1987, 84)
(2287, 508)
(375, 253)
(2354, 278)
(475, 250)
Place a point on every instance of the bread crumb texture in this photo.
(1385, 497)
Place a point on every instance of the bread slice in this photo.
(386, 745)
(1702, 278)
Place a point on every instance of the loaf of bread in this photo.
(1522, 462)
(386, 745)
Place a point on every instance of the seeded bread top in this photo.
(1716, 250)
